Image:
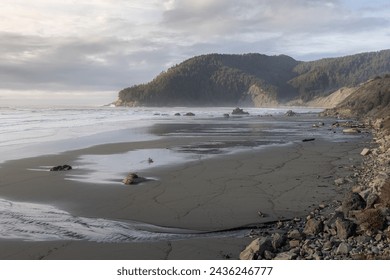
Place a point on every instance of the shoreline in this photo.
(210, 194)
(355, 228)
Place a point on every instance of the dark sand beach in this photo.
(213, 202)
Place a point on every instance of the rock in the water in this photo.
(239, 111)
(352, 201)
(290, 113)
(133, 179)
(256, 248)
(343, 249)
(345, 228)
(61, 168)
(365, 152)
(177, 114)
(189, 114)
(226, 115)
(308, 139)
(313, 227)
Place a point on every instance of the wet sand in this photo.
(204, 195)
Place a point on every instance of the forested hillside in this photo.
(253, 80)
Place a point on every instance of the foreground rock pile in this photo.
(358, 227)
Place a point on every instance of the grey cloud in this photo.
(232, 18)
(56, 63)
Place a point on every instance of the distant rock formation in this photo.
(239, 111)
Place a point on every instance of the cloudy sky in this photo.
(105, 45)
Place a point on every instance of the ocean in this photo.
(27, 132)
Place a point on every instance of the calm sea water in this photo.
(26, 132)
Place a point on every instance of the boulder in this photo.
(295, 234)
(352, 201)
(256, 248)
(290, 113)
(189, 114)
(345, 228)
(239, 111)
(177, 114)
(278, 240)
(133, 179)
(226, 115)
(313, 227)
(61, 168)
(343, 249)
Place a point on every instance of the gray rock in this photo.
(375, 250)
(328, 245)
(371, 200)
(278, 240)
(352, 201)
(239, 111)
(256, 248)
(290, 113)
(294, 234)
(189, 114)
(363, 239)
(343, 249)
(345, 228)
(313, 227)
(268, 255)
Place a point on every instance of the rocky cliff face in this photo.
(371, 99)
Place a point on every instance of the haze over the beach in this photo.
(73, 48)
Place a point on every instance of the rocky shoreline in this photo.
(358, 227)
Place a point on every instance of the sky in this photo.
(105, 45)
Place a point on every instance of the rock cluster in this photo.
(239, 111)
(290, 113)
(358, 227)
